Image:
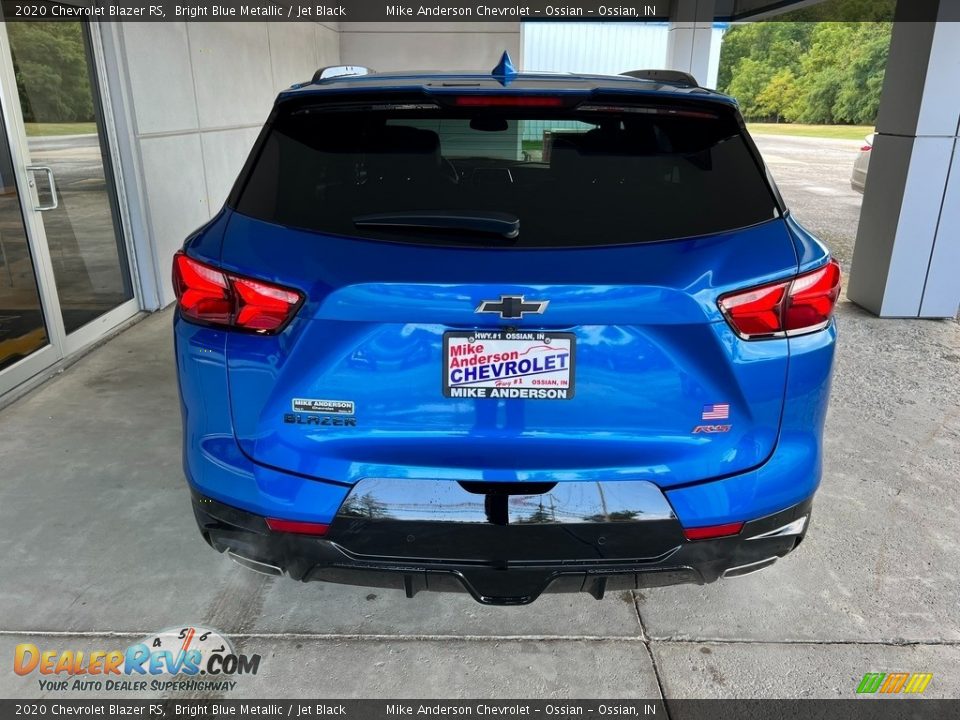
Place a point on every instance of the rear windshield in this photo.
(520, 177)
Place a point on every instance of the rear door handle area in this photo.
(54, 199)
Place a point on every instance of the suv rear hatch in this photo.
(507, 290)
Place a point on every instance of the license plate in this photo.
(525, 365)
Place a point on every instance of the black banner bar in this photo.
(874, 708)
(471, 10)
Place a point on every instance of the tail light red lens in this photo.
(792, 307)
(713, 531)
(866, 148)
(203, 292)
(207, 294)
(508, 101)
(297, 526)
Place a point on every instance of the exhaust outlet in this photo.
(255, 565)
(749, 568)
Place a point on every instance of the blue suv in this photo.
(504, 333)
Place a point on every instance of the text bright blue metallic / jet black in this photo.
(507, 334)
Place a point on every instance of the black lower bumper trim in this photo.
(497, 580)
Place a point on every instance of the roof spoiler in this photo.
(671, 77)
(339, 71)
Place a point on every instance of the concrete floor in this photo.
(98, 548)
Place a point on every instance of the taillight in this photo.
(712, 532)
(297, 526)
(791, 307)
(207, 294)
(866, 148)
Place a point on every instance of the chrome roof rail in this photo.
(331, 71)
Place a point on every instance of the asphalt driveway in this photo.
(814, 176)
(98, 547)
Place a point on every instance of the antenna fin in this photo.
(505, 70)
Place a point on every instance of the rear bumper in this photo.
(502, 549)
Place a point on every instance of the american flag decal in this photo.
(720, 411)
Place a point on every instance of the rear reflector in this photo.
(783, 309)
(507, 101)
(713, 531)
(209, 295)
(296, 526)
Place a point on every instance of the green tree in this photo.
(844, 11)
(842, 73)
(858, 99)
(749, 80)
(812, 72)
(777, 45)
(779, 95)
(50, 63)
(821, 72)
(753, 55)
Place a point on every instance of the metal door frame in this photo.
(61, 344)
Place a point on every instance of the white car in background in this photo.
(860, 166)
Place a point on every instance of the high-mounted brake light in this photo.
(209, 295)
(507, 101)
(784, 309)
(713, 531)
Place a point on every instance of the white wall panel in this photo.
(176, 195)
(231, 72)
(605, 48)
(328, 46)
(158, 64)
(199, 94)
(224, 152)
(428, 46)
(714, 71)
(293, 53)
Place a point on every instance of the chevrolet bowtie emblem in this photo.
(512, 306)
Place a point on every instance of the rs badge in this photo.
(710, 429)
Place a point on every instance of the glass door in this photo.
(23, 325)
(59, 168)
